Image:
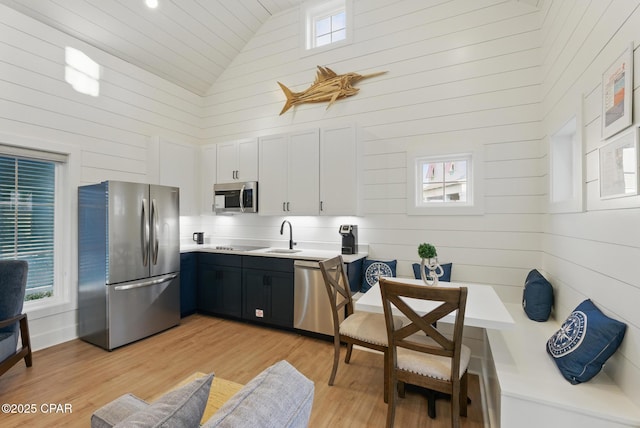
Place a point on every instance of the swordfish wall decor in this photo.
(328, 86)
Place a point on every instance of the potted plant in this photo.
(429, 259)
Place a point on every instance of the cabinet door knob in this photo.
(288, 207)
(283, 206)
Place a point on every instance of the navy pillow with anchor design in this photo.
(585, 341)
(374, 269)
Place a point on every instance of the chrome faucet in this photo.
(291, 243)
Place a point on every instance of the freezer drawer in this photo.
(141, 308)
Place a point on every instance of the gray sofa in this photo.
(279, 397)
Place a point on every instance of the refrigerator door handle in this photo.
(144, 235)
(156, 231)
(154, 281)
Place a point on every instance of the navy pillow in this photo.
(446, 268)
(374, 269)
(585, 342)
(537, 298)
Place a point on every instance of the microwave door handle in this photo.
(242, 198)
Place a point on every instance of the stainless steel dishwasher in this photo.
(311, 308)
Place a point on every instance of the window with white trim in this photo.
(444, 180)
(329, 28)
(444, 183)
(326, 23)
(29, 189)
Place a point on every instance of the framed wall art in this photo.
(619, 165)
(617, 94)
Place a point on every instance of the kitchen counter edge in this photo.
(315, 255)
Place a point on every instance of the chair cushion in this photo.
(537, 297)
(446, 268)
(434, 366)
(13, 277)
(368, 327)
(584, 342)
(374, 269)
(8, 345)
(182, 407)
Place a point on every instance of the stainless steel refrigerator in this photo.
(128, 261)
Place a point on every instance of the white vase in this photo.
(435, 271)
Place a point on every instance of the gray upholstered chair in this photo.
(13, 281)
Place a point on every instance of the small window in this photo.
(444, 184)
(565, 166)
(443, 181)
(326, 24)
(329, 29)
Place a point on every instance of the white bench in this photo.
(524, 388)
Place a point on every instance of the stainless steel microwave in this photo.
(241, 197)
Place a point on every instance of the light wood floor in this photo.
(87, 377)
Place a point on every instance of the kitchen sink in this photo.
(283, 251)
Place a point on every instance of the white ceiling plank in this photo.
(192, 15)
(125, 33)
(111, 35)
(180, 34)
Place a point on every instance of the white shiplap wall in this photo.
(111, 132)
(592, 254)
(464, 72)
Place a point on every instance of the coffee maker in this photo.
(349, 234)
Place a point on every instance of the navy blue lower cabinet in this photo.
(267, 291)
(219, 289)
(188, 284)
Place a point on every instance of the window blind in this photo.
(27, 218)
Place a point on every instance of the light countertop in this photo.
(299, 254)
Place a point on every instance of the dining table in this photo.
(484, 307)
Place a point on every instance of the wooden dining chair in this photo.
(358, 328)
(419, 354)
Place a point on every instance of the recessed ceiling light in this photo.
(152, 4)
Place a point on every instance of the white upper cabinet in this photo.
(178, 166)
(273, 185)
(237, 161)
(208, 156)
(304, 172)
(338, 171)
(289, 174)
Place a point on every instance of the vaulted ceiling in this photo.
(188, 42)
